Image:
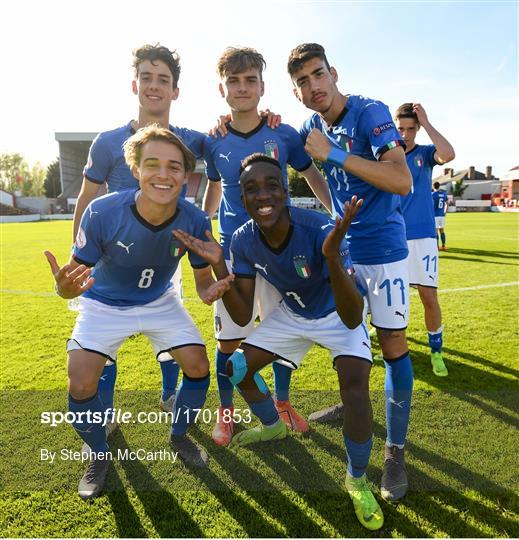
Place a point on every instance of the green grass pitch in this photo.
(463, 439)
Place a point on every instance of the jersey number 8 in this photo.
(146, 276)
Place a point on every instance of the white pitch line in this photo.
(476, 287)
(32, 293)
(461, 289)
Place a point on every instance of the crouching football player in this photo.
(304, 256)
(123, 260)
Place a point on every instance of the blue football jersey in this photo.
(133, 260)
(440, 203)
(223, 157)
(106, 156)
(297, 269)
(417, 206)
(365, 128)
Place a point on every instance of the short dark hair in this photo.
(238, 60)
(154, 53)
(406, 111)
(436, 185)
(304, 52)
(257, 157)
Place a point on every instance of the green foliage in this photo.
(297, 185)
(15, 174)
(458, 189)
(13, 169)
(52, 184)
(461, 452)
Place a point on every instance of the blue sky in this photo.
(67, 64)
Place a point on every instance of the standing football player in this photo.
(441, 204)
(242, 86)
(419, 219)
(362, 154)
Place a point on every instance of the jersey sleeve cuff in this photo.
(199, 266)
(245, 276)
(90, 179)
(81, 261)
(214, 179)
(389, 146)
(301, 169)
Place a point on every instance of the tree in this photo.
(52, 180)
(13, 170)
(16, 175)
(458, 189)
(33, 183)
(297, 185)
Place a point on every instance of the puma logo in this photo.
(226, 157)
(401, 314)
(259, 267)
(127, 248)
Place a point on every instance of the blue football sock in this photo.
(94, 434)
(170, 370)
(282, 376)
(265, 410)
(399, 389)
(225, 386)
(191, 395)
(106, 385)
(357, 456)
(442, 236)
(436, 340)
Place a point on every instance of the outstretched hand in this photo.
(70, 281)
(210, 251)
(332, 243)
(217, 290)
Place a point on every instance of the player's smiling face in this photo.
(315, 85)
(263, 193)
(408, 128)
(154, 86)
(161, 172)
(242, 91)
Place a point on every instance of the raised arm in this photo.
(86, 196)
(390, 173)
(444, 150)
(212, 197)
(318, 185)
(348, 301)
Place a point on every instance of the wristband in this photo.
(337, 157)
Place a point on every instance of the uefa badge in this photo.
(81, 240)
(418, 161)
(271, 149)
(176, 249)
(302, 267)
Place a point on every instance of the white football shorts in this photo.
(440, 222)
(103, 328)
(386, 288)
(423, 262)
(290, 336)
(266, 299)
